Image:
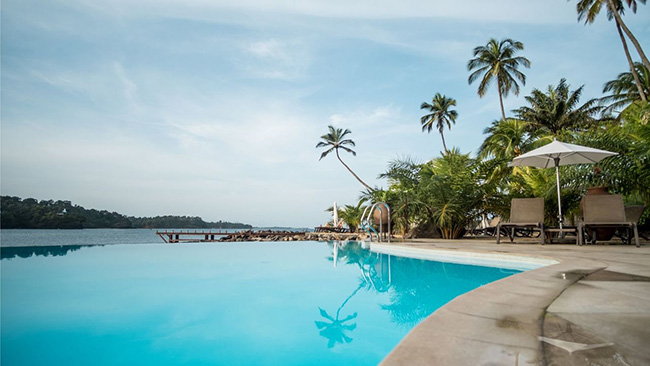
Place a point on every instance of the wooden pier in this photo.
(196, 236)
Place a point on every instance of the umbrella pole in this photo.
(559, 200)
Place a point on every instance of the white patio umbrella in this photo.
(336, 215)
(559, 153)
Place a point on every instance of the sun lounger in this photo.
(605, 211)
(632, 214)
(525, 213)
(488, 230)
(331, 229)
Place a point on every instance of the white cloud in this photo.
(271, 48)
(370, 122)
(129, 87)
(515, 11)
(221, 116)
(277, 59)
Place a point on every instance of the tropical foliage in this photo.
(624, 90)
(589, 10)
(451, 193)
(351, 215)
(557, 111)
(403, 177)
(29, 213)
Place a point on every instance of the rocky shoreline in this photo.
(289, 236)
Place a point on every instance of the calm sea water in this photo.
(13, 238)
(301, 303)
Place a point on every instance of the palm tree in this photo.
(625, 88)
(403, 176)
(589, 9)
(497, 60)
(351, 215)
(452, 193)
(441, 115)
(336, 140)
(506, 139)
(557, 110)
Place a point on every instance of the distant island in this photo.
(29, 213)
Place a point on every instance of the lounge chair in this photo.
(525, 213)
(632, 214)
(486, 228)
(605, 211)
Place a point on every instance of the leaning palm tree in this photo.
(497, 60)
(589, 9)
(557, 110)
(625, 89)
(441, 115)
(336, 140)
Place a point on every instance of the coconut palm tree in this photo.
(451, 191)
(557, 110)
(403, 177)
(625, 89)
(589, 9)
(441, 115)
(351, 215)
(506, 139)
(336, 140)
(497, 60)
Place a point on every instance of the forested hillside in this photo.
(29, 213)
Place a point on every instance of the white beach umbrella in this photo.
(559, 153)
(336, 215)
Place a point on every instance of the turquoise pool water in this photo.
(218, 304)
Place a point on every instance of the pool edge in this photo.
(502, 322)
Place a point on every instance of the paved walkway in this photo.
(590, 308)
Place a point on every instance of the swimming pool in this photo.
(300, 303)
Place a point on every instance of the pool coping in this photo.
(486, 259)
(588, 304)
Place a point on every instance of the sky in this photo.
(213, 108)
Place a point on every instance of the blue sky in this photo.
(213, 108)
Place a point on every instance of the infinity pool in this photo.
(218, 304)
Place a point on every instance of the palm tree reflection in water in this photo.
(334, 329)
(416, 288)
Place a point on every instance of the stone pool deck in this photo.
(590, 308)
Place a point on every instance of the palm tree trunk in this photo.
(338, 311)
(629, 60)
(503, 112)
(627, 31)
(443, 142)
(351, 172)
